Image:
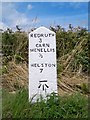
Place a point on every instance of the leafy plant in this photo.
(84, 88)
(18, 106)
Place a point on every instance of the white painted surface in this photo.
(42, 63)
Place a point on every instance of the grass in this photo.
(17, 106)
(0, 102)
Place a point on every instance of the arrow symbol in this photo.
(43, 85)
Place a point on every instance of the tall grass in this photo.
(18, 106)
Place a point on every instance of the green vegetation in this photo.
(14, 47)
(84, 88)
(72, 47)
(17, 106)
(74, 43)
(72, 57)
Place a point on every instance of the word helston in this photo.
(35, 35)
(43, 65)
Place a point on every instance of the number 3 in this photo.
(40, 40)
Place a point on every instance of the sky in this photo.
(36, 14)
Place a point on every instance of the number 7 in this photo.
(41, 70)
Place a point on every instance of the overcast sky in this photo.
(35, 14)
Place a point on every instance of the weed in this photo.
(18, 106)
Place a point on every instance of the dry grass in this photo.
(69, 83)
(16, 76)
